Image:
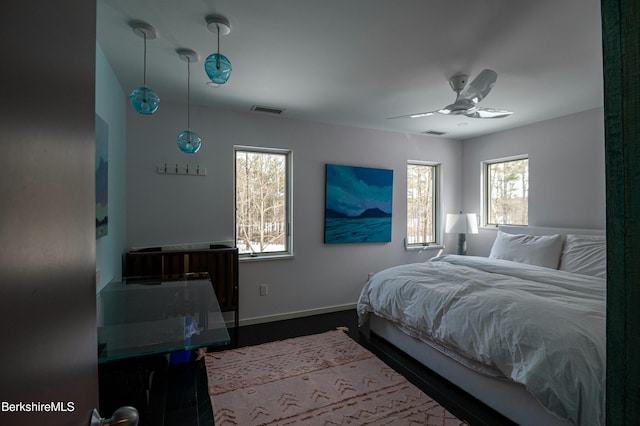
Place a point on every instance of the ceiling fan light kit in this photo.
(217, 66)
(143, 99)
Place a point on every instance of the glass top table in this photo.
(154, 315)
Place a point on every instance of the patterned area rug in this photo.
(322, 379)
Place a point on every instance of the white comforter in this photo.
(537, 326)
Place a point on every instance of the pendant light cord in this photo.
(218, 56)
(144, 72)
(188, 92)
(218, 27)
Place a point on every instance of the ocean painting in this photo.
(358, 205)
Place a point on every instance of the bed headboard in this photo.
(537, 230)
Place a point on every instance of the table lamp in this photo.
(461, 224)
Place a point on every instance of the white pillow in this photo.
(585, 254)
(531, 249)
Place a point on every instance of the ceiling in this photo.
(360, 62)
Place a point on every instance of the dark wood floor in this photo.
(179, 393)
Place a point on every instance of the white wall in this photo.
(110, 106)
(165, 209)
(566, 172)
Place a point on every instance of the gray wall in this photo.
(165, 209)
(566, 172)
(110, 106)
(47, 215)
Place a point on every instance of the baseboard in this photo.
(296, 314)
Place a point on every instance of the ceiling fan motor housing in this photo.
(458, 82)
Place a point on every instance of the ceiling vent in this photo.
(267, 110)
(433, 132)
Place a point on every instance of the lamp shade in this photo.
(144, 100)
(189, 141)
(218, 68)
(463, 223)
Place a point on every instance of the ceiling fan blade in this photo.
(480, 87)
(479, 112)
(416, 115)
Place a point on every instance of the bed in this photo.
(522, 330)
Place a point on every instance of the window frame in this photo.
(288, 154)
(485, 189)
(437, 178)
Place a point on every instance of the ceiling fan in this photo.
(467, 98)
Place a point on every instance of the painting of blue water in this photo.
(368, 230)
(358, 204)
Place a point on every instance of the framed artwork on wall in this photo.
(358, 203)
(102, 177)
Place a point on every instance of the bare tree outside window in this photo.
(507, 192)
(421, 203)
(261, 201)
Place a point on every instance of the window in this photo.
(422, 201)
(263, 209)
(506, 198)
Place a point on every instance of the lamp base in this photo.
(462, 244)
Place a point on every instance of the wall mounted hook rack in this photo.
(181, 169)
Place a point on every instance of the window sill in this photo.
(496, 227)
(422, 248)
(263, 257)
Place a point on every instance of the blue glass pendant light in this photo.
(217, 66)
(188, 140)
(143, 99)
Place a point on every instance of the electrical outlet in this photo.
(264, 290)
